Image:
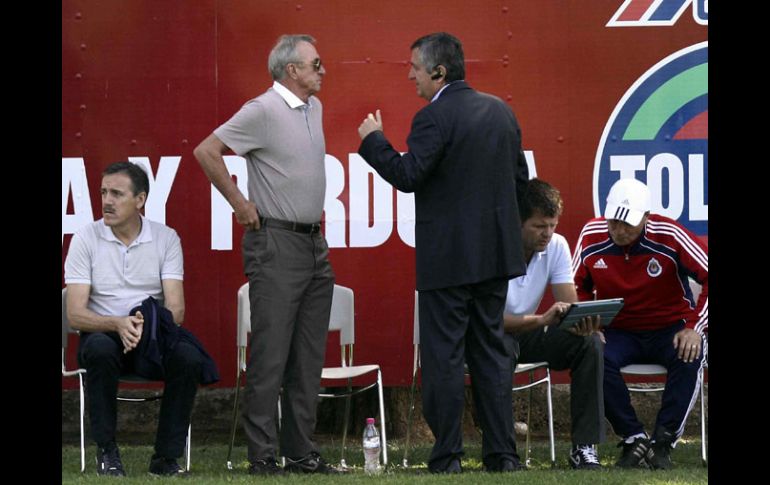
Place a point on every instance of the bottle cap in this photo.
(369, 420)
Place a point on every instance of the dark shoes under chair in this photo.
(310, 463)
(265, 467)
(635, 454)
(166, 467)
(584, 457)
(108, 461)
(661, 449)
(652, 453)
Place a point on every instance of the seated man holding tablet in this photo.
(646, 259)
(538, 337)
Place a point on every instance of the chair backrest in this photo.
(342, 317)
(244, 316)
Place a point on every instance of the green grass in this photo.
(208, 467)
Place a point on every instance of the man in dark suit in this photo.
(464, 164)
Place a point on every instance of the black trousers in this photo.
(101, 354)
(584, 357)
(460, 324)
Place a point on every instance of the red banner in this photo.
(148, 80)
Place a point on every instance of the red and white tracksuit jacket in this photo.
(650, 274)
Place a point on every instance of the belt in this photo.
(290, 226)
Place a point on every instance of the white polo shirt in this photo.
(121, 276)
(552, 266)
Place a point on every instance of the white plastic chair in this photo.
(66, 330)
(660, 371)
(342, 319)
(529, 368)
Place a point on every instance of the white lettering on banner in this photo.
(366, 189)
(698, 210)
(406, 217)
(160, 185)
(672, 164)
(628, 165)
(74, 181)
(361, 233)
(333, 206)
(529, 155)
(221, 211)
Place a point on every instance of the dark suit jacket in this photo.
(464, 164)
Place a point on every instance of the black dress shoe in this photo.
(510, 465)
(311, 463)
(452, 467)
(267, 466)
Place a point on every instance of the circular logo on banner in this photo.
(658, 133)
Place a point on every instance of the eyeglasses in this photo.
(316, 64)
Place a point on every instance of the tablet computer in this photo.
(606, 309)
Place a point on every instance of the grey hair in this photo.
(442, 49)
(284, 53)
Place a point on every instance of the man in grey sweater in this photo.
(285, 256)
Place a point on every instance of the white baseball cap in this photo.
(628, 201)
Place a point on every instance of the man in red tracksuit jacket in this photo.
(647, 260)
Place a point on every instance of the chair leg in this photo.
(82, 429)
(188, 447)
(529, 415)
(703, 455)
(382, 421)
(235, 419)
(550, 416)
(410, 415)
(280, 417)
(346, 422)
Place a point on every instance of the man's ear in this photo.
(141, 200)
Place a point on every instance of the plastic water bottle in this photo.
(371, 448)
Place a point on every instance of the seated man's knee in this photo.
(185, 356)
(612, 360)
(99, 348)
(593, 344)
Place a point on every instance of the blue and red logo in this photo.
(657, 13)
(658, 133)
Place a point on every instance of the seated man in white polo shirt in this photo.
(113, 265)
(579, 348)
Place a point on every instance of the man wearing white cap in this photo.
(646, 259)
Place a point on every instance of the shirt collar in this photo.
(435, 97)
(145, 235)
(291, 99)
